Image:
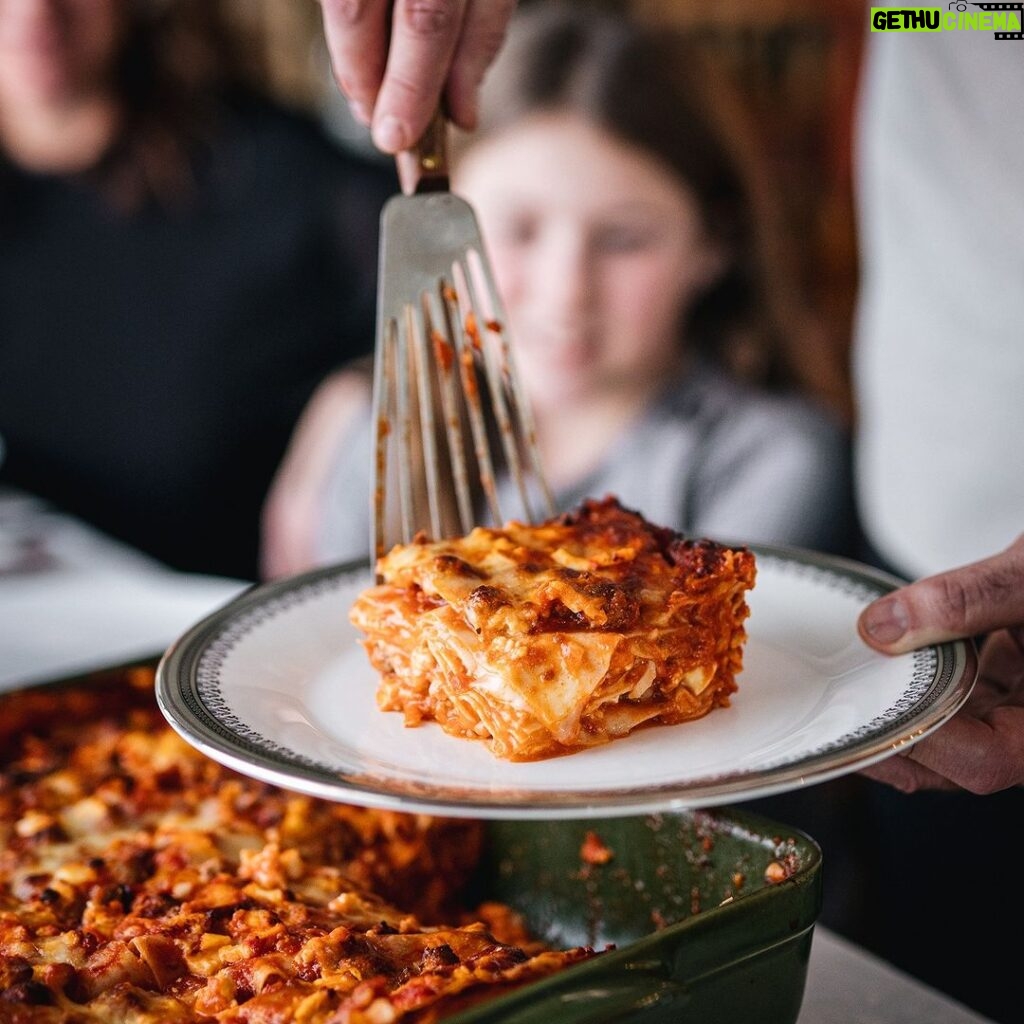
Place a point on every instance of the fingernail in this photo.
(389, 134)
(360, 113)
(886, 620)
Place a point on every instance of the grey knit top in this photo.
(711, 458)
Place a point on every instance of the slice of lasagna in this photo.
(543, 640)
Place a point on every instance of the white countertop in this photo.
(847, 985)
(73, 600)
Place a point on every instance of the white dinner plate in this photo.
(276, 685)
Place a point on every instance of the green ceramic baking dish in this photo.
(708, 914)
(711, 915)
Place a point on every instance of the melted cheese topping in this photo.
(140, 882)
(541, 640)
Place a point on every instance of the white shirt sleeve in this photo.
(939, 345)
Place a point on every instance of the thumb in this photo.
(963, 602)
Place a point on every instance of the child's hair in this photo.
(651, 88)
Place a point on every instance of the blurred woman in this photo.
(182, 261)
(621, 227)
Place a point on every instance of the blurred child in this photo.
(623, 240)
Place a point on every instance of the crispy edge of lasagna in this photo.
(544, 640)
(140, 881)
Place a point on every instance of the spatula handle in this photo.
(424, 168)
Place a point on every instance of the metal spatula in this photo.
(443, 361)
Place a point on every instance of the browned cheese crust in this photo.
(141, 882)
(543, 640)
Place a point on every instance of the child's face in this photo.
(597, 249)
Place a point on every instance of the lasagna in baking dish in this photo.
(141, 882)
(543, 640)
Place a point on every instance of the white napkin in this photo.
(73, 600)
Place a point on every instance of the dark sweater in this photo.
(153, 364)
